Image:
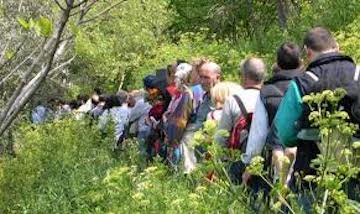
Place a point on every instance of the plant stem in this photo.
(322, 211)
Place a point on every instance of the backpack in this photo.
(240, 131)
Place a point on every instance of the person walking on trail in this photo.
(219, 93)
(116, 109)
(156, 98)
(237, 111)
(139, 111)
(178, 113)
(209, 74)
(287, 67)
(252, 73)
(328, 69)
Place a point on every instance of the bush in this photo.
(55, 164)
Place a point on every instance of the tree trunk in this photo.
(282, 13)
(21, 96)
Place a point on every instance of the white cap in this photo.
(183, 70)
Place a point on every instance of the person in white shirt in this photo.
(287, 67)
(252, 72)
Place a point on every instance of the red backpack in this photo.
(240, 131)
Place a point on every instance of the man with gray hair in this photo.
(239, 108)
(252, 73)
(209, 75)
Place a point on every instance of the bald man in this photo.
(252, 73)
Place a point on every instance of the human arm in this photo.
(258, 132)
(284, 129)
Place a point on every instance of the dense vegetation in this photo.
(67, 167)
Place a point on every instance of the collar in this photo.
(327, 58)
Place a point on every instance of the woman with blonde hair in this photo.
(219, 93)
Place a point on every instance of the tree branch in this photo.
(61, 65)
(80, 4)
(102, 12)
(13, 108)
(15, 54)
(59, 5)
(18, 66)
(20, 86)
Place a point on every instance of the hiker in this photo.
(209, 75)
(287, 67)
(40, 113)
(154, 141)
(62, 109)
(139, 110)
(85, 106)
(252, 73)
(177, 115)
(98, 109)
(327, 69)
(219, 93)
(116, 109)
(237, 111)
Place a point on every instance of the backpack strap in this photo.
(212, 115)
(242, 107)
(357, 73)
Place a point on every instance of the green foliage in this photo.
(55, 165)
(337, 163)
(42, 26)
(68, 167)
(112, 50)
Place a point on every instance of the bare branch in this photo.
(21, 98)
(13, 71)
(15, 54)
(59, 5)
(80, 4)
(102, 12)
(61, 65)
(20, 86)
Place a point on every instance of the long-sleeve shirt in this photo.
(231, 112)
(120, 116)
(177, 117)
(258, 132)
(284, 128)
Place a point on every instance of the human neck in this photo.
(252, 85)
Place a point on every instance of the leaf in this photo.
(356, 145)
(43, 27)
(23, 23)
(9, 54)
(355, 205)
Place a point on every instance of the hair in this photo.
(221, 91)
(97, 90)
(74, 104)
(112, 101)
(179, 61)
(103, 97)
(319, 39)
(253, 68)
(210, 66)
(275, 68)
(122, 96)
(82, 98)
(288, 56)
